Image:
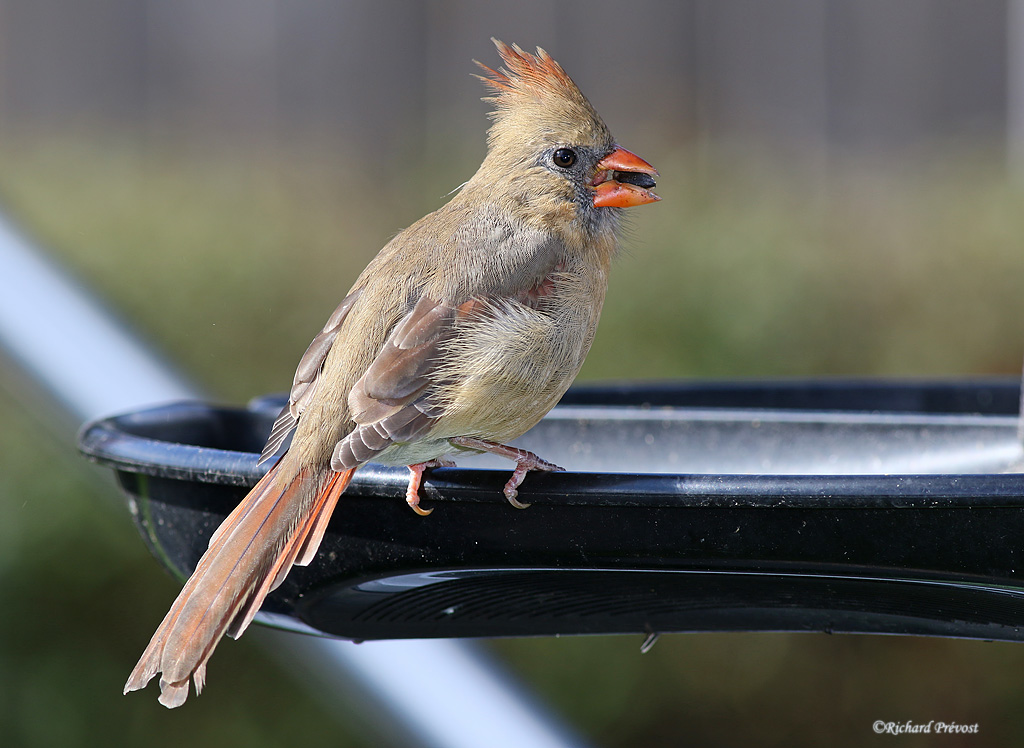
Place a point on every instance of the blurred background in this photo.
(843, 189)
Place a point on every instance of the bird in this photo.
(458, 337)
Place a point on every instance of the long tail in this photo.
(280, 523)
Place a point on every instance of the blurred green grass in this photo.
(232, 260)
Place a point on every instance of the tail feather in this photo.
(321, 517)
(307, 541)
(282, 519)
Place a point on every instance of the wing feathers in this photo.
(282, 427)
(307, 375)
(424, 323)
(401, 370)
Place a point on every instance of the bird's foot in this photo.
(412, 494)
(525, 462)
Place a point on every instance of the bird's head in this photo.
(549, 145)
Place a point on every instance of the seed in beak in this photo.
(637, 178)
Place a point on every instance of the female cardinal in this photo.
(460, 335)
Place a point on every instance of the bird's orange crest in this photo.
(535, 98)
(526, 72)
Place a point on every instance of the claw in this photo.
(414, 504)
(510, 494)
(412, 494)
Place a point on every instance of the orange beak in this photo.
(623, 180)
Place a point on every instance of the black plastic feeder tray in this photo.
(800, 506)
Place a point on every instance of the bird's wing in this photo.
(306, 378)
(392, 401)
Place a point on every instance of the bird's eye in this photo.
(564, 157)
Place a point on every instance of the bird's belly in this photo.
(508, 369)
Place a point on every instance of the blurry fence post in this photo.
(437, 693)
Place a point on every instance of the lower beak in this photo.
(623, 180)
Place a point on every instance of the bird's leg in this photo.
(412, 494)
(525, 462)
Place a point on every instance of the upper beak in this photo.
(623, 180)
